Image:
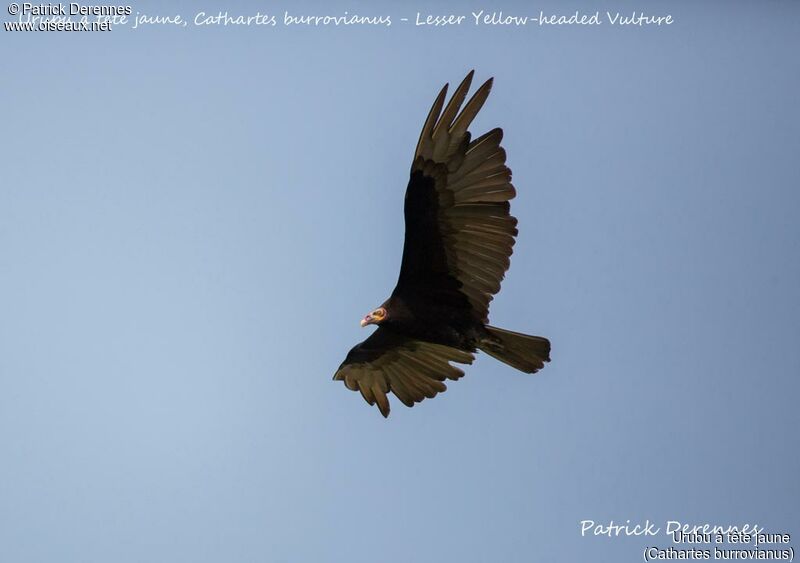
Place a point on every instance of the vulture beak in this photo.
(366, 320)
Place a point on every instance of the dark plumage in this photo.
(459, 237)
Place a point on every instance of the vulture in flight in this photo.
(459, 237)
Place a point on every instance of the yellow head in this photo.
(376, 317)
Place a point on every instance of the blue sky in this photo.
(194, 220)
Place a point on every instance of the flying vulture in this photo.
(459, 237)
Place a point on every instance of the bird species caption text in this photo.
(73, 16)
(692, 542)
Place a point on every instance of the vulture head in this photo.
(376, 317)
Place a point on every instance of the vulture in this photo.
(459, 236)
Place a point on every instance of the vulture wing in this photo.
(411, 369)
(459, 233)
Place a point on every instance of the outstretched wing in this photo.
(459, 232)
(411, 369)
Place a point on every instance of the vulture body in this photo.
(458, 241)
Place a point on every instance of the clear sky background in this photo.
(193, 221)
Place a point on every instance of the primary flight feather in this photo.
(458, 241)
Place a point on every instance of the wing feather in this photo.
(389, 362)
(426, 136)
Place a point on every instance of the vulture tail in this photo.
(521, 351)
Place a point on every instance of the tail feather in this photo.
(521, 351)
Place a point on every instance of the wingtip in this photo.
(467, 82)
(441, 97)
(488, 82)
